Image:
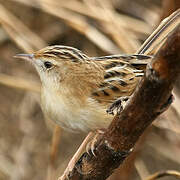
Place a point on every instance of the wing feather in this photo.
(122, 74)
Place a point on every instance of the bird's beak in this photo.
(27, 57)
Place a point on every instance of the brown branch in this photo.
(151, 98)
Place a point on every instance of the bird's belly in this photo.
(72, 116)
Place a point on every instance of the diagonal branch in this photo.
(151, 98)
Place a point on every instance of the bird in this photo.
(81, 93)
(77, 89)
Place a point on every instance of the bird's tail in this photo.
(156, 39)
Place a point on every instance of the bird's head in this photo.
(55, 63)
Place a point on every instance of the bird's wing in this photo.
(122, 73)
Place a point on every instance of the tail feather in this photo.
(156, 39)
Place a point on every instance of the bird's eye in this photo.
(48, 64)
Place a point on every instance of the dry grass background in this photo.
(97, 27)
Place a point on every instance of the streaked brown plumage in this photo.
(77, 89)
(107, 78)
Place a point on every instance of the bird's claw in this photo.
(90, 148)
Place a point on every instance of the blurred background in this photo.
(97, 27)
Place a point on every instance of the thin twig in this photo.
(19, 83)
(19, 32)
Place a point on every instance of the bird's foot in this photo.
(117, 105)
(90, 148)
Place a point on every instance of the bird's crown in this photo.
(61, 52)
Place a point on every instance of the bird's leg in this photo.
(117, 105)
(76, 156)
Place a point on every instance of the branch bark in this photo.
(150, 99)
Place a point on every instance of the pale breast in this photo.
(70, 114)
